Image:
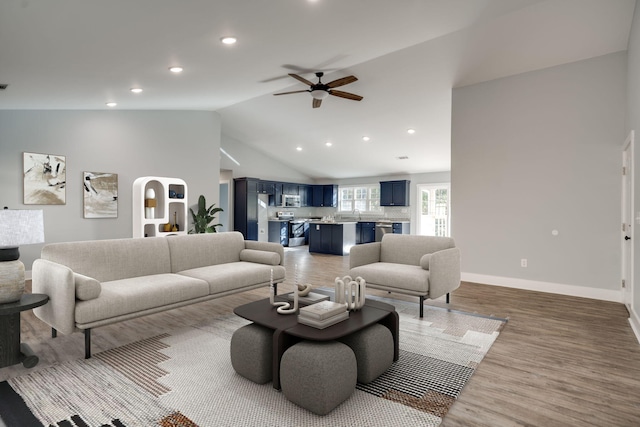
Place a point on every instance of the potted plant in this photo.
(204, 217)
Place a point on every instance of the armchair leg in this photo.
(87, 343)
(448, 294)
(54, 333)
(421, 306)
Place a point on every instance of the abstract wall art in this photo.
(100, 194)
(45, 179)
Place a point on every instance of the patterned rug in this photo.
(184, 378)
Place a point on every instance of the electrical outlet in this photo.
(523, 262)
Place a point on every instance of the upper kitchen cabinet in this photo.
(394, 193)
(305, 195)
(290, 189)
(245, 207)
(266, 187)
(325, 195)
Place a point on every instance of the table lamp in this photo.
(17, 227)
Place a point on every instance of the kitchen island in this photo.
(328, 237)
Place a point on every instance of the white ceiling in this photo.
(407, 55)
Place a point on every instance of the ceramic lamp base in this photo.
(11, 281)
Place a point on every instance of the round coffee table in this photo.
(12, 351)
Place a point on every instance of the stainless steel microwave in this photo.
(290, 201)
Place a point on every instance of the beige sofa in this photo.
(424, 266)
(96, 283)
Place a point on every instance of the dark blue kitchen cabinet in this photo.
(335, 239)
(305, 195)
(394, 193)
(245, 207)
(365, 232)
(325, 195)
(401, 227)
(279, 232)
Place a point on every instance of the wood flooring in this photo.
(559, 361)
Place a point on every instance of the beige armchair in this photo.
(424, 266)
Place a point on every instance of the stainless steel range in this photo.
(297, 228)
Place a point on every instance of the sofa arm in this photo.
(56, 281)
(444, 272)
(364, 254)
(266, 246)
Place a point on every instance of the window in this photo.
(433, 216)
(361, 198)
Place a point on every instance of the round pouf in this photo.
(318, 376)
(252, 354)
(373, 347)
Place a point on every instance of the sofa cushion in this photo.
(401, 276)
(236, 275)
(136, 294)
(107, 260)
(86, 287)
(261, 257)
(408, 249)
(200, 250)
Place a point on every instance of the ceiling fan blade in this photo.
(343, 81)
(287, 93)
(301, 79)
(346, 95)
(316, 102)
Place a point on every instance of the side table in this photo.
(12, 351)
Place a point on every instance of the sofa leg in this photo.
(448, 297)
(275, 289)
(54, 333)
(87, 343)
(421, 306)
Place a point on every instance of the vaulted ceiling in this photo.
(406, 54)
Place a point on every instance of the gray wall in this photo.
(633, 123)
(180, 144)
(538, 152)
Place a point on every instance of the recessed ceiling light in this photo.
(136, 90)
(328, 143)
(411, 131)
(229, 40)
(299, 148)
(111, 104)
(176, 69)
(366, 138)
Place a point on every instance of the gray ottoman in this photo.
(318, 375)
(252, 354)
(373, 347)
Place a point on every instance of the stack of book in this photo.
(323, 314)
(310, 298)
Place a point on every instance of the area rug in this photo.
(184, 378)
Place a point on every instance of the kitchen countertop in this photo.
(333, 222)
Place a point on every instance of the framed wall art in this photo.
(45, 179)
(100, 194)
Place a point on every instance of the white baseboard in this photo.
(634, 321)
(553, 288)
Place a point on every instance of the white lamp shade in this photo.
(21, 227)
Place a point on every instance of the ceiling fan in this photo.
(320, 91)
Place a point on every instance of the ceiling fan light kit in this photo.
(320, 91)
(319, 94)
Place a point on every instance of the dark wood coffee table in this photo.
(287, 331)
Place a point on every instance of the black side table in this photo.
(12, 351)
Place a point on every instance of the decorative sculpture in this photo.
(351, 292)
(283, 307)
